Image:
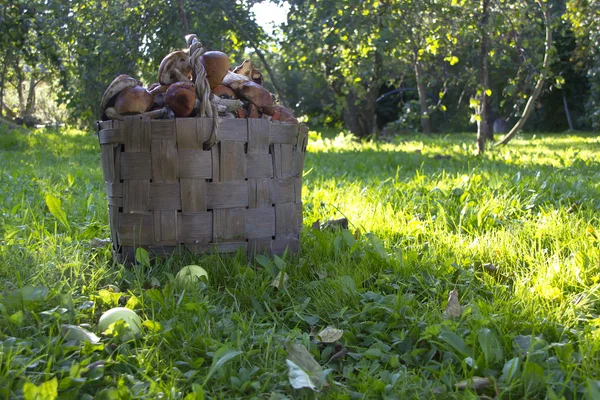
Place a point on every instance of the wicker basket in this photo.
(166, 193)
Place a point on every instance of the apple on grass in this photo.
(121, 313)
(191, 275)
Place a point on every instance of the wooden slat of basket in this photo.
(226, 194)
(259, 246)
(187, 134)
(164, 196)
(259, 166)
(282, 190)
(164, 161)
(107, 154)
(138, 139)
(114, 189)
(136, 229)
(195, 228)
(232, 161)
(193, 195)
(229, 224)
(136, 195)
(113, 219)
(233, 130)
(110, 136)
(163, 130)
(259, 193)
(258, 136)
(260, 223)
(283, 161)
(136, 166)
(283, 133)
(195, 164)
(286, 221)
(165, 227)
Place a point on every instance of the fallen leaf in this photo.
(98, 243)
(476, 383)
(298, 354)
(341, 223)
(489, 267)
(304, 370)
(78, 334)
(299, 379)
(330, 334)
(453, 309)
(278, 281)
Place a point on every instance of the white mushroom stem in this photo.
(234, 81)
(230, 105)
(111, 113)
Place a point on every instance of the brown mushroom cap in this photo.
(133, 100)
(119, 84)
(256, 94)
(281, 114)
(224, 92)
(216, 64)
(181, 98)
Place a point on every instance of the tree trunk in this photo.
(425, 124)
(567, 112)
(21, 95)
(540, 83)
(2, 78)
(482, 125)
(359, 113)
(183, 16)
(30, 105)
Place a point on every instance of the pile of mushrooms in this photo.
(183, 80)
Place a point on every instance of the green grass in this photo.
(516, 232)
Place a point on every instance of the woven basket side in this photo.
(166, 192)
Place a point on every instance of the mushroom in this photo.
(175, 67)
(181, 98)
(231, 105)
(234, 81)
(133, 100)
(253, 111)
(119, 84)
(256, 94)
(160, 113)
(247, 69)
(224, 92)
(281, 114)
(216, 65)
(244, 68)
(158, 91)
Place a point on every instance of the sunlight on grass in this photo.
(516, 232)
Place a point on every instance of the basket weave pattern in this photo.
(166, 192)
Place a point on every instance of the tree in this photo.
(541, 79)
(584, 18)
(343, 41)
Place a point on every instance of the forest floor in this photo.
(513, 235)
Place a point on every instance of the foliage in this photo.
(584, 17)
(515, 233)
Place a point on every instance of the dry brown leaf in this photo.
(476, 383)
(330, 334)
(278, 281)
(453, 309)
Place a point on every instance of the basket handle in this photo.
(203, 92)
